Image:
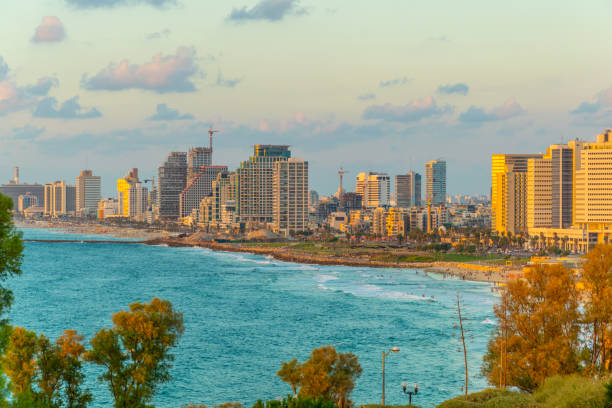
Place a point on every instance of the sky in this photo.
(380, 85)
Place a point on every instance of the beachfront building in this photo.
(172, 179)
(255, 180)
(408, 189)
(133, 196)
(435, 182)
(26, 201)
(290, 196)
(59, 199)
(108, 207)
(509, 192)
(88, 192)
(197, 157)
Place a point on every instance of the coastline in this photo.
(465, 271)
(96, 229)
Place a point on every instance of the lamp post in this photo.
(410, 393)
(393, 350)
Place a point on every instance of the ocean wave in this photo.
(325, 278)
(489, 321)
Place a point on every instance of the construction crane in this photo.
(211, 132)
(341, 173)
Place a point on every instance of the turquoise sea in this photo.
(245, 315)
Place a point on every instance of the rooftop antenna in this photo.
(211, 132)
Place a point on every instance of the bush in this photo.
(296, 402)
(572, 392)
(492, 398)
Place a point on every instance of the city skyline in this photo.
(381, 88)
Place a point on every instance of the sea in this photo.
(246, 314)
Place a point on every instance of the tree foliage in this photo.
(11, 253)
(46, 374)
(538, 332)
(135, 352)
(327, 374)
(597, 281)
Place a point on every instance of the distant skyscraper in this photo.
(172, 178)
(290, 193)
(255, 179)
(408, 189)
(435, 182)
(88, 191)
(374, 188)
(196, 158)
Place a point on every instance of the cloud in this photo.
(450, 89)
(42, 86)
(70, 109)
(508, 110)
(27, 132)
(50, 29)
(159, 34)
(12, 97)
(586, 107)
(366, 97)
(268, 10)
(169, 73)
(602, 99)
(416, 110)
(394, 82)
(91, 4)
(165, 113)
(227, 82)
(4, 69)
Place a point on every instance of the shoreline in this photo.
(455, 269)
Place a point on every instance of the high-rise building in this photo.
(196, 158)
(59, 199)
(593, 195)
(374, 188)
(435, 182)
(124, 185)
(197, 188)
(539, 192)
(408, 190)
(255, 179)
(509, 192)
(224, 192)
(88, 191)
(290, 193)
(172, 179)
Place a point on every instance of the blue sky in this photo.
(382, 86)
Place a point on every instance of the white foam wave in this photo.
(325, 278)
(488, 321)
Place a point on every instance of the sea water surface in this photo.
(246, 314)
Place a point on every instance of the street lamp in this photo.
(393, 350)
(410, 393)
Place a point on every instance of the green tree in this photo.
(135, 352)
(11, 253)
